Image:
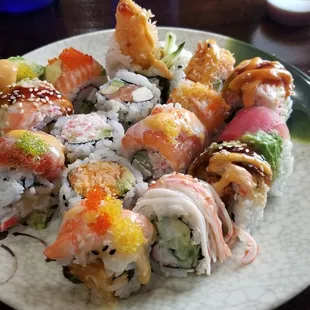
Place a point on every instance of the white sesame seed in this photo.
(47, 98)
(35, 104)
(20, 104)
(32, 96)
(51, 93)
(59, 96)
(22, 111)
(36, 89)
(31, 90)
(37, 99)
(1, 92)
(23, 96)
(30, 99)
(4, 96)
(68, 109)
(43, 100)
(12, 97)
(13, 84)
(32, 190)
(50, 102)
(247, 151)
(14, 101)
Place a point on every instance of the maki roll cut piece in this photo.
(240, 176)
(210, 65)
(132, 96)
(30, 166)
(258, 82)
(77, 76)
(107, 169)
(192, 223)
(83, 134)
(104, 246)
(31, 105)
(267, 134)
(207, 104)
(167, 140)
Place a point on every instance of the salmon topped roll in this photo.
(31, 105)
(206, 103)
(30, 166)
(210, 65)
(167, 140)
(258, 82)
(104, 246)
(77, 76)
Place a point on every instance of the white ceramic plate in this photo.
(280, 271)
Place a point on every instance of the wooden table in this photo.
(241, 19)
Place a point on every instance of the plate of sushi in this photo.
(154, 168)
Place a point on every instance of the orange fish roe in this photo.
(94, 197)
(73, 59)
(104, 212)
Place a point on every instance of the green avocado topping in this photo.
(126, 182)
(32, 144)
(38, 220)
(267, 144)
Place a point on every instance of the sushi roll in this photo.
(167, 140)
(104, 246)
(30, 166)
(240, 176)
(210, 65)
(267, 134)
(77, 76)
(15, 69)
(134, 45)
(207, 104)
(84, 134)
(192, 223)
(258, 82)
(129, 95)
(106, 168)
(31, 105)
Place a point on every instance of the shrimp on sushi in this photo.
(77, 76)
(104, 246)
(210, 65)
(30, 166)
(31, 105)
(258, 82)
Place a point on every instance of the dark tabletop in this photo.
(242, 19)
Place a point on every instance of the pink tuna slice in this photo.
(253, 119)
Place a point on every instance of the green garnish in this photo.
(169, 59)
(169, 43)
(38, 220)
(269, 145)
(32, 144)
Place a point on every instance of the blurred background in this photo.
(245, 20)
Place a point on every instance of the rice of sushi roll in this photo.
(15, 69)
(104, 246)
(210, 65)
(266, 132)
(207, 104)
(240, 176)
(167, 140)
(78, 77)
(104, 168)
(31, 105)
(83, 134)
(257, 82)
(130, 95)
(192, 223)
(30, 167)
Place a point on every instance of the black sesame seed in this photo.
(95, 252)
(110, 138)
(112, 252)
(179, 67)
(66, 204)
(130, 274)
(105, 248)
(209, 45)
(64, 197)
